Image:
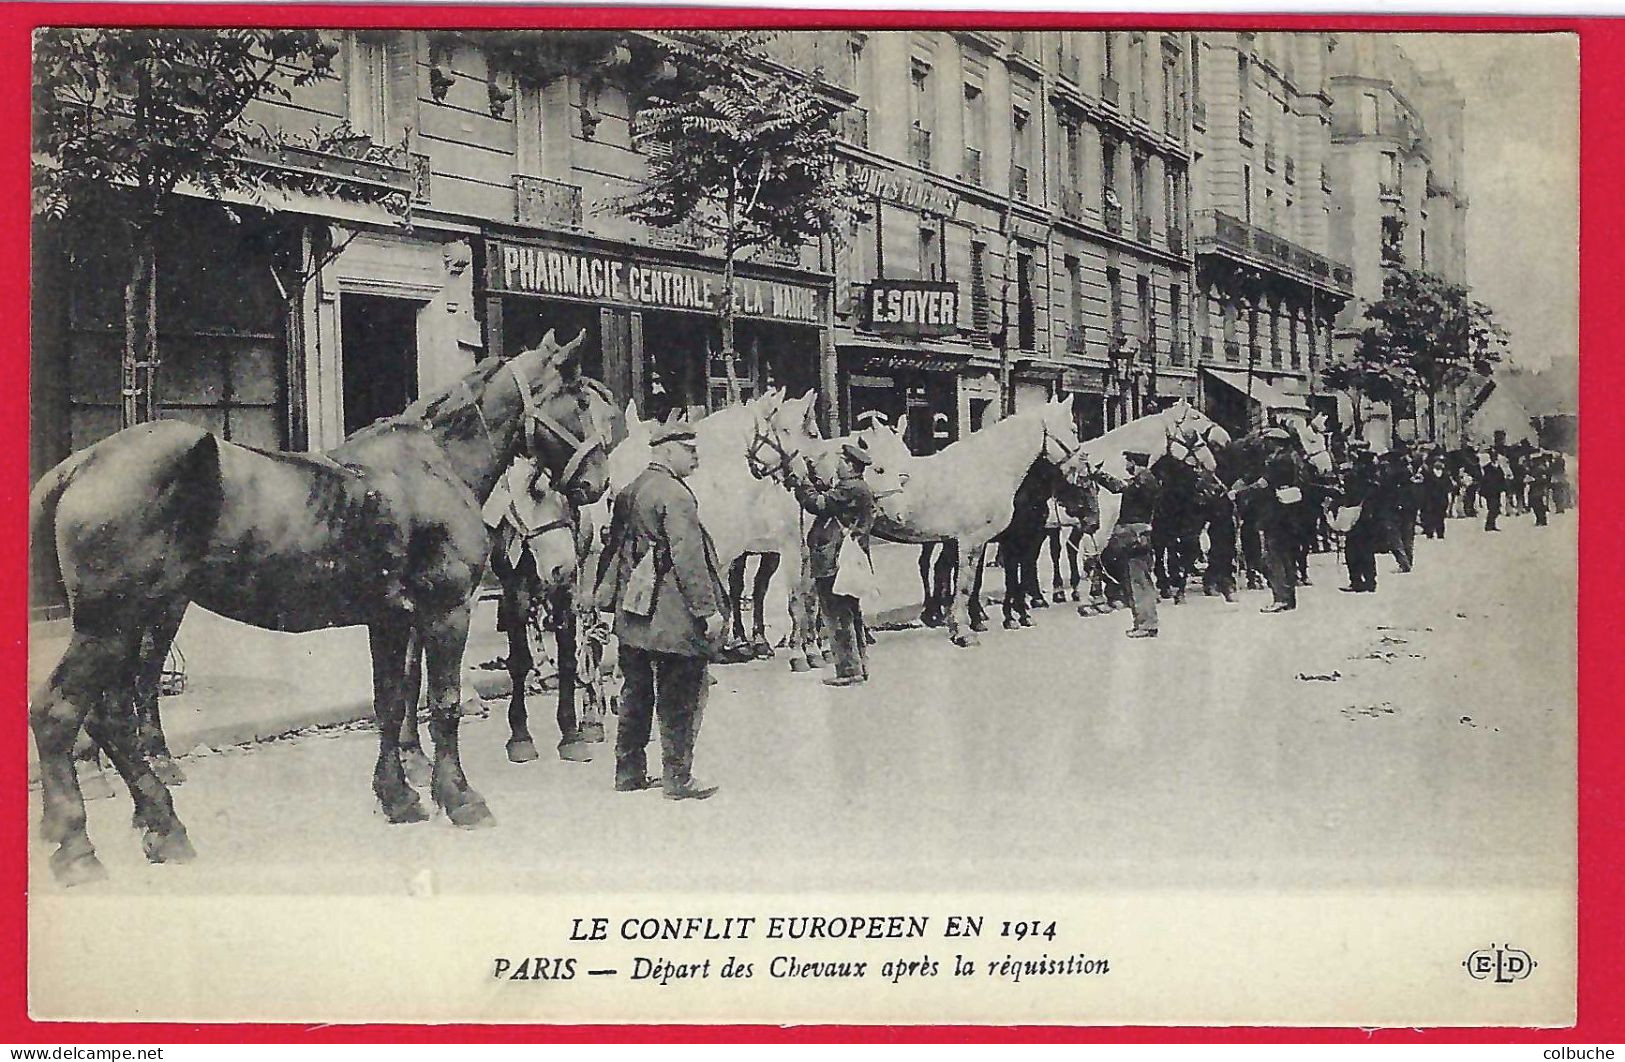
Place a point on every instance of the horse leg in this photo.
(113, 727)
(521, 746)
(968, 564)
(413, 761)
(736, 594)
(767, 565)
(928, 588)
(390, 641)
(1074, 546)
(155, 643)
(572, 744)
(1014, 599)
(1057, 591)
(444, 640)
(93, 665)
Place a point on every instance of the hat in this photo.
(857, 454)
(675, 431)
(1139, 457)
(1277, 433)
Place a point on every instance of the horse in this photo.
(965, 492)
(1019, 544)
(1074, 511)
(1175, 436)
(1313, 464)
(383, 530)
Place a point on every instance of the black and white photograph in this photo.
(1058, 525)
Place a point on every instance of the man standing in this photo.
(1360, 544)
(1277, 498)
(1435, 497)
(1221, 538)
(845, 507)
(658, 575)
(1492, 484)
(1540, 485)
(1130, 542)
(1407, 502)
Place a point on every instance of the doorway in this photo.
(380, 342)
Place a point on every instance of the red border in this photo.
(1602, 797)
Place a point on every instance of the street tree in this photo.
(741, 152)
(1374, 372)
(123, 118)
(1436, 330)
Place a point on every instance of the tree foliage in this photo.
(136, 112)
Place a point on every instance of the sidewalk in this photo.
(245, 684)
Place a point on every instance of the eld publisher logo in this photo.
(1501, 965)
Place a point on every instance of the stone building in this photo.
(1269, 275)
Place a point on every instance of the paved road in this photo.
(1064, 756)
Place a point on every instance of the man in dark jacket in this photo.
(1407, 500)
(1276, 499)
(1360, 543)
(1220, 507)
(1130, 542)
(659, 576)
(1540, 486)
(845, 507)
(1492, 484)
(1435, 491)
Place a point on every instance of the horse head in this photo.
(1312, 438)
(1193, 438)
(1060, 444)
(540, 519)
(783, 430)
(567, 423)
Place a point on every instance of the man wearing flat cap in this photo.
(1129, 548)
(658, 575)
(845, 507)
(1276, 499)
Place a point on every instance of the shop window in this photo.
(1026, 312)
(930, 254)
(380, 344)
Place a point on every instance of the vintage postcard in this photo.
(929, 523)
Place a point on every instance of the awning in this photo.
(1268, 395)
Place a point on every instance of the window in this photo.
(923, 111)
(1172, 103)
(1021, 151)
(1196, 67)
(1140, 205)
(1393, 241)
(1026, 310)
(1244, 77)
(1074, 154)
(1247, 194)
(1170, 198)
(1108, 175)
(1148, 315)
(1368, 113)
(1392, 173)
(1176, 317)
(1074, 303)
(1108, 56)
(854, 63)
(1423, 234)
(1114, 294)
(930, 254)
(366, 88)
(975, 117)
(1269, 209)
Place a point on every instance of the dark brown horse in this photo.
(384, 530)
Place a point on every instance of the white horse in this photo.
(965, 493)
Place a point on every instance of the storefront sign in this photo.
(911, 307)
(550, 272)
(1084, 381)
(1030, 231)
(891, 360)
(906, 190)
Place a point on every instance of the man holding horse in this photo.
(659, 576)
(1130, 546)
(1276, 499)
(844, 508)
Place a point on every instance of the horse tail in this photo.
(46, 586)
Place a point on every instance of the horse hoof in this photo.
(1040, 602)
(402, 812)
(80, 869)
(592, 732)
(168, 771)
(471, 815)
(965, 640)
(978, 625)
(1010, 624)
(575, 751)
(521, 751)
(799, 664)
(172, 846)
(1026, 621)
(763, 650)
(417, 767)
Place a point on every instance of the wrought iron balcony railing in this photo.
(1218, 232)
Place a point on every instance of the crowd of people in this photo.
(659, 575)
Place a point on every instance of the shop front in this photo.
(895, 382)
(654, 333)
(1088, 390)
(1241, 401)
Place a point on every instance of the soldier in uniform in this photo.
(1278, 519)
(845, 507)
(658, 575)
(1130, 543)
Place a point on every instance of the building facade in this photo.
(1269, 282)
(1396, 174)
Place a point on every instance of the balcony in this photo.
(970, 170)
(364, 171)
(919, 147)
(1114, 218)
(1291, 170)
(1018, 182)
(854, 127)
(1108, 91)
(1244, 127)
(1072, 203)
(1142, 228)
(1220, 233)
(544, 204)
